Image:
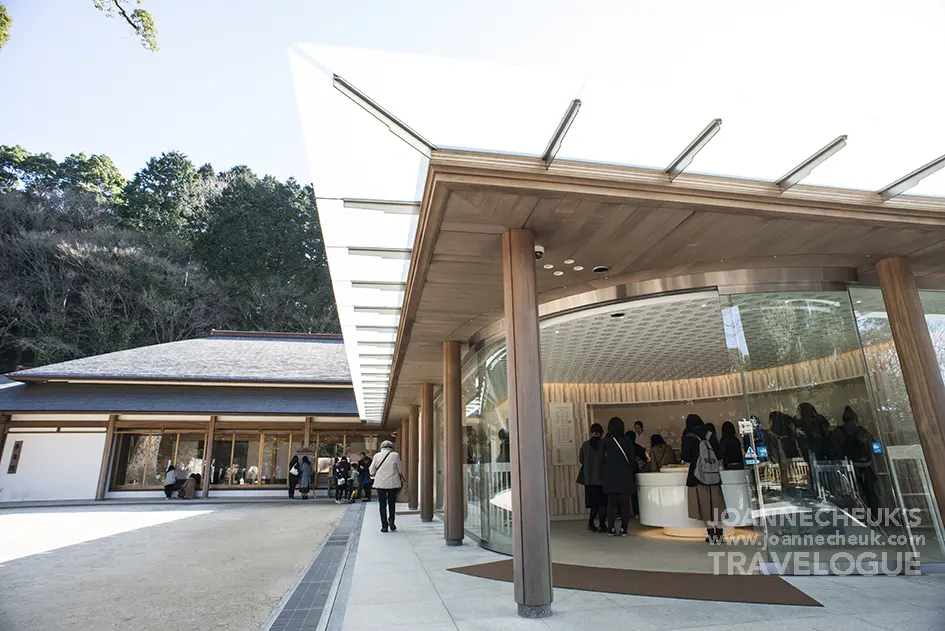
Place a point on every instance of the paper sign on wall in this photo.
(563, 442)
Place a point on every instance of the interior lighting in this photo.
(559, 273)
(568, 261)
(802, 170)
(578, 268)
(904, 184)
(683, 160)
(548, 266)
(617, 315)
(601, 269)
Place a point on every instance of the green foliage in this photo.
(5, 23)
(139, 19)
(90, 267)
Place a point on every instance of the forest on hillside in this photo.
(91, 263)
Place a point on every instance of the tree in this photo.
(35, 172)
(139, 20)
(164, 195)
(22, 170)
(95, 174)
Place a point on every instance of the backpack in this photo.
(707, 469)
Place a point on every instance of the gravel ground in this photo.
(223, 569)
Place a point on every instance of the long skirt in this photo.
(706, 503)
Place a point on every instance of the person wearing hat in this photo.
(387, 469)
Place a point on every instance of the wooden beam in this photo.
(106, 458)
(308, 431)
(531, 527)
(920, 370)
(426, 452)
(208, 457)
(454, 505)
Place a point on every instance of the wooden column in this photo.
(106, 458)
(920, 369)
(308, 432)
(426, 452)
(208, 457)
(403, 447)
(531, 528)
(413, 463)
(453, 506)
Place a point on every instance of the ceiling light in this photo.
(578, 268)
(548, 266)
(559, 273)
(568, 261)
(601, 269)
(617, 315)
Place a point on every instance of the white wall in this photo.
(53, 466)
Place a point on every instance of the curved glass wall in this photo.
(786, 369)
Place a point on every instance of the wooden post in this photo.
(208, 457)
(531, 528)
(454, 505)
(413, 463)
(308, 431)
(106, 458)
(426, 452)
(919, 364)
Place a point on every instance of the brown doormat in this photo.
(760, 589)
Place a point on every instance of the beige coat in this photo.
(387, 475)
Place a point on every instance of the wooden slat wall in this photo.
(567, 497)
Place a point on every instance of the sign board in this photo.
(877, 447)
(15, 457)
(762, 451)
(750, 454)
(752, 461)
(564, 448)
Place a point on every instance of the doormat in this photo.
(758, 589)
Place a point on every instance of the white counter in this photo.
(664, 503)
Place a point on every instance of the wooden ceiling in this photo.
(635, 222)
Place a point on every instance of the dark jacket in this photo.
(592, 463)
(690, 451)
(661, 456)
(730, 453)
(619, 470)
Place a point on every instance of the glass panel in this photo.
(472, 445)
(220, 459)
(130, 459)
(245, 466)
(804, 374)
(495, 468)
(190, 454)
(896, 425)
(160, 453)
(275, 459)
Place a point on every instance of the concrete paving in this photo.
(400, 581)
(181, 565)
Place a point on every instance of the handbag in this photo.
(294, 470)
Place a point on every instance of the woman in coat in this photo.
(661, 454)
(619, 479)
(591, 458)
(170, 480)
(388, 473)
(730, 448)
(293, 477)
(305, 477)
(706, 502)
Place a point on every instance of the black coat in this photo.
(730, 453)
(690, 451)
(619, 471)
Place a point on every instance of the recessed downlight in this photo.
(569, 261)
(619, 314)
(559, 273)
(601, 269)
(548, 266)
(578, 268)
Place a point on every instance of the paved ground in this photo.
(162, 568)
(402, 579)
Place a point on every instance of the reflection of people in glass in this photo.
(619, 477)
(504, 455)
(661, 454)
(705, 499)
(854, 442)
(816, 428)
(591, 458)
(730, 448)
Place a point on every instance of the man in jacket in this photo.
(388, 473)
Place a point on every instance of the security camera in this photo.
(539, 252)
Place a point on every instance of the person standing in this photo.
(704, 483)
(170, 480)
(591, 458)
(293, 476)
(388, 473)
(342, 472)
(638, 430)
(730, 448)
(364, 465)
(305, 477)
(661, 454)
(619, 478)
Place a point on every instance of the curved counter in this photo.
(664, 504)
